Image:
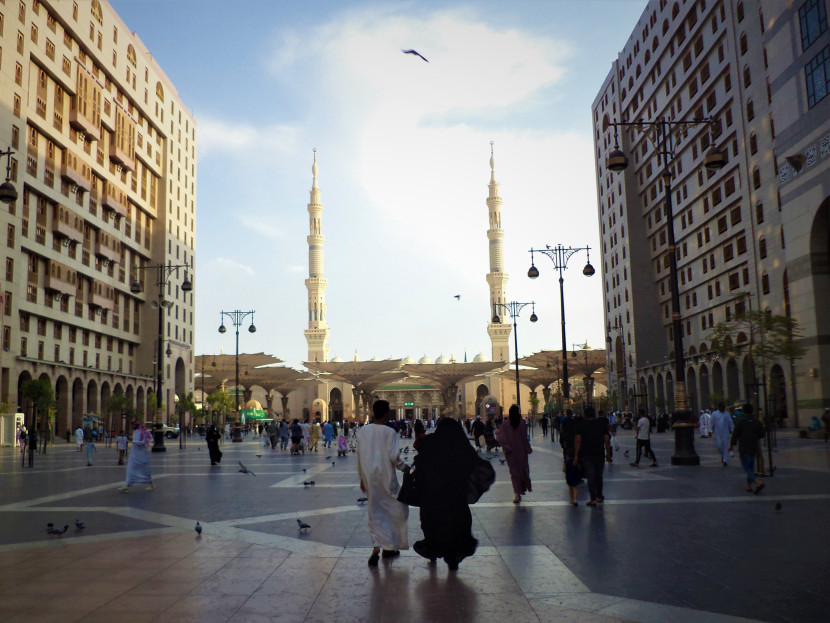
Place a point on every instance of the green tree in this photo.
(187, 405)
(764, 336)
(41, 393)
(116, 405)
(221, 401)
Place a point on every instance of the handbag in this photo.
(481, 477)
(408, 494)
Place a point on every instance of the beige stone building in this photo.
(754, 233)
(104, 163)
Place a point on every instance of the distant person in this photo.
(544, 423)
(478, 431)
(328, 434)
(592, 446)
(748, 431)
(121, 444)
(284, 434)
(703, 424)
(567, 431)
(212, 439)
(296, 436)
(377, 459)
(572, 476)
(314, 436)
(79, 438)
(138, 465)
(720, 425)
(90, 450)
(643, 428)
(443, 467)
(512, 436)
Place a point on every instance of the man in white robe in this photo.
(79, 438)
(377, 459)
(703, 424)
(720, 425)
(138, 465)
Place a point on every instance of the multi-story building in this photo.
(753, 235)
(104, 163)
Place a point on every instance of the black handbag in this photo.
(407, 494)
(481, 477)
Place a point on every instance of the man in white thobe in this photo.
(377, 459)
(79, 438)
(720, 424)
(703, 424)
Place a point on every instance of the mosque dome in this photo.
(442, 359)
(425, 359)
(336, 359)
(373, 359)
(479, 358)
(253, 404)
(408, 359)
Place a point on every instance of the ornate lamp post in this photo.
(560, 255)
(163, 272)
(237, 317)
(514, 308)
(663, 135)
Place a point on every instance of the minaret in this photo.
(497, 278)
(317, 334)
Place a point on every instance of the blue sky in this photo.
(403, 152)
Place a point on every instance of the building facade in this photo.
(104, 162)
(751, 236)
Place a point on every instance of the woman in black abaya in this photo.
(212, 437)
(442, 473)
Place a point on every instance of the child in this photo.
(90, 448)
(121, 444)
(571, 476)
(342, 446)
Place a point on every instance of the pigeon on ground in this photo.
(616, 448)
(334, 462)
(198, 528)
(406, 450)
(259, 456)
(625, 453)
(244, 469)
(502, 461)
(58, 531)
(304, 470)
(304, 527)
(308, 483)
(778, 507)
(79, 525)
(329, 456)
(50, 525)
(362, 500)
(416, 54)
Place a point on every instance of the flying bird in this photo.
(362, 500)
(458, 296)
(415, 53)
(244, 469)
(79, 525)
(304, 527)
(198, 528)
(58, 531)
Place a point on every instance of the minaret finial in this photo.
(314, 170)
(492, 164)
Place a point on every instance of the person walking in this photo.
(121, 444)
(90, 449)
(512, 436)
(590, 440)
(377, 459)
(296, 436)
(79, 437)
(748, 431)
(567, 431)
(703, 424)
(314, 436)
(544, 423)
(442, 474)
(212, 438)
(284, 434)
(478, 432)
(720, 427)
(138, 465)
(328, 434)
(643, 428)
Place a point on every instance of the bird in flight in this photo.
(458, 297)
(415, 53)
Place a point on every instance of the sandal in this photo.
(373, 559)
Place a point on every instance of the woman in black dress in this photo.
(212, 437)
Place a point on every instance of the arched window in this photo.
(753, 143)
(762, 247)
(675, 10)
(665, 26)
(765, 283)
(743, 44)
(747, 76)
(750, 110)
(756, 178)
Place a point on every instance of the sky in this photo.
(403, 150)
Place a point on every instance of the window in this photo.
(722, 226)
(747, 77)
(734, 281)
(750, 110)
(740, 245)
(743, 44)
(728, 252)
(756, 178)
(753, 144)
(765, 283)
(762, 247)
(735, 215)
(759, 212)
(813, 19)
(817, 74)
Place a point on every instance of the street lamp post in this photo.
(514, 308)
(662, 134)
(588, 379)
(560, 255)
(237, 317)
(163, 272)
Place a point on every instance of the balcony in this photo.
(119, 156)
(63, 224)
(100, 300)
(74, 172)
(57, 284)
(82, 124)
(103, 249)
(114, 199)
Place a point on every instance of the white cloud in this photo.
(261, 225)
(226, 265)
(217, 137)
(296, 269)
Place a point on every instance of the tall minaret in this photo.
(317, 334)
(497, 278)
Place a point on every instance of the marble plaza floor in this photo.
(669, 543)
